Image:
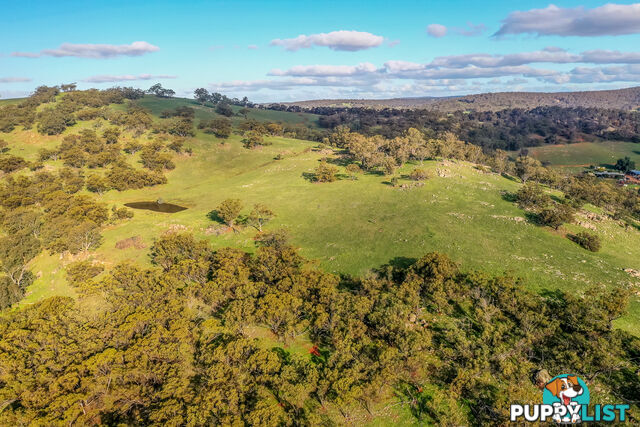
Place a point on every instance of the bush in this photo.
(9, 163)
(353, 170)
(587, 240)
(531, 196)
(325, 172)
(418, 174)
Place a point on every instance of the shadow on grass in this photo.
(509, 197)
(339, 161)
(214, 216)
(309, 176)
(509, 177)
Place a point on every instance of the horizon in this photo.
(277, 53)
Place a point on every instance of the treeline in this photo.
(510, 129)
(174, 345)
(379, 154)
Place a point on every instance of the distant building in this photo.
(634, 173)
(614, 175)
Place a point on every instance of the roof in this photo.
(634, 172)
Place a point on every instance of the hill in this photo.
(625, 99)
(400, 284)
(348, 226)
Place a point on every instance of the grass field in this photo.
(575, 157)
(157, 105)
(353, 226)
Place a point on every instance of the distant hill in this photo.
(625, 99)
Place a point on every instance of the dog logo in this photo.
(569, 391)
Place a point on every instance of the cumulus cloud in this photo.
(96, 51)
(550, 55)
(14, 79)
(626, 73)
(407, 70)
(335, 40)
(106, 78)
(326, 70)
(608, 20)
(292, 82)
(436, 30)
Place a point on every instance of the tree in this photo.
(325, 172)
(625, 164)
(97, 184)
(173, 248)
(9, 163)
(111, 135)
(224, 109)
(526, 167)
(531, 196)
(229, 210)
(556, 215)
(259, 216)
(244, 112)
(16, 251)
(252, 139)
(201, 95)
(161, 92)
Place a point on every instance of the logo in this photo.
(566, 400)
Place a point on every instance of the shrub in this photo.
(531, 196)
(353, 170)
(418, 174)
(587, 240)
(325, 172)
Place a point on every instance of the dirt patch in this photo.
(131, 242)
(632, 272)
(217, 230)
(509, 218)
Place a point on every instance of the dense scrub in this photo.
(170, 345)
(508, 129)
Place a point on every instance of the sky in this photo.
(281, 50)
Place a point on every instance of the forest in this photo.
(508, 129)
(170, 346)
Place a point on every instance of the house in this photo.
(635, 173)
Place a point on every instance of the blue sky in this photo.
(293, 50)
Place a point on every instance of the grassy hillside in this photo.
(575, 157)
(349, 226)
(207, 111)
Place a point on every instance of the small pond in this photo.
(156, 207)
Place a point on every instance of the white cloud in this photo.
(252, 47)
(608, 20)
(436, 30)
(336, 40)
(14, 79)
(326, 70)
(610, 57)
(96, 51)
(549, 55)
(106, 78)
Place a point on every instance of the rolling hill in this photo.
(625, 99)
